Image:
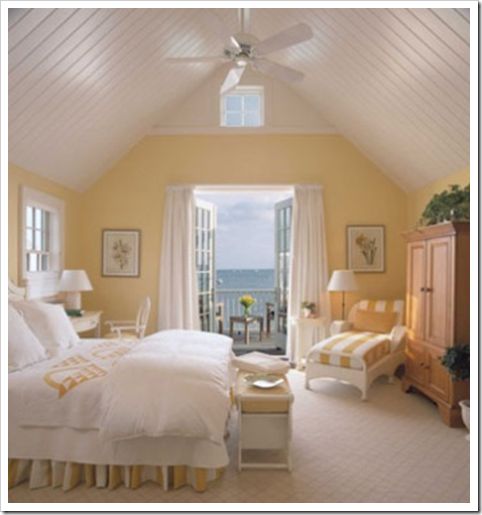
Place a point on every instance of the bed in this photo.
(110, 412)
(356, 356)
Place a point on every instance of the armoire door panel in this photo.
(415, 289)
(439, 292)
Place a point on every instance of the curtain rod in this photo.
(249, 187)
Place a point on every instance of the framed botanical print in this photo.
(121, 252)
(365, 246)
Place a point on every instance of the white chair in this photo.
(362, 372)
(131, 329)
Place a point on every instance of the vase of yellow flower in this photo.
(247, 301)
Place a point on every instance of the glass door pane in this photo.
(205, 228)
(283, 211)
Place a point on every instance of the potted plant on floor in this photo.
(457, 361)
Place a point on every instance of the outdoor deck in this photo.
(275, 343)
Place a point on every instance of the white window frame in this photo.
(243, 91)
(43, 283)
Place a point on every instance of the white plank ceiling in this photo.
(86, 84)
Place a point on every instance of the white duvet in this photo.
(173, 383)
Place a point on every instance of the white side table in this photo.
(88, 321)
(305, 336)
(264, 422)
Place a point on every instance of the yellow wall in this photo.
(18, 177)
(131, 195)
(418, 199)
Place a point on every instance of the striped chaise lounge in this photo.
(370, 344)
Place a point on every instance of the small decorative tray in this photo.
(263, 380)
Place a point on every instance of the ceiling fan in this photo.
(244, 49)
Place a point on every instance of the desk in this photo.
(88, 321)
(306, 335)
(246, 321)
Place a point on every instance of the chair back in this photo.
(380, 305)
(143, 317)
(219, 311)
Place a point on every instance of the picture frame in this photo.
(365, 247)
(121, 253)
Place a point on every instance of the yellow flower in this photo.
(247, 300)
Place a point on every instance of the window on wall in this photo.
(243, 107)
(37, 235)
(42, 241)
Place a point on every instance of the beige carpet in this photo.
(393, 448)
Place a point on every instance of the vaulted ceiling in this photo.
(86, 84)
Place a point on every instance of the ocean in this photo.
(245, 279)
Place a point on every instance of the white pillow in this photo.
(23, 346)
(50, 324)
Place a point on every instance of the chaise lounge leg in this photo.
(364, 391)
(307, 383)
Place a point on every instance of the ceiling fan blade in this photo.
(201, 59)
(288, 37)
(235, 42)
(232, 79)
(278, 71)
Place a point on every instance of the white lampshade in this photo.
(74, 280)
(343, 280)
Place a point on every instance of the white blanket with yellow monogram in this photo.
(175, 381)
(64, 391)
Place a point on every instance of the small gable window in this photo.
(243, 107)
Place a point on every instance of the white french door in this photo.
(205, 263)
(283, 213)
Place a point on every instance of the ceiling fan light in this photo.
(241, 61)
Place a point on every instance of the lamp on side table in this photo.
(72, 282)
(343, 280)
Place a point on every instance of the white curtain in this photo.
(178, 292)
(309, 267)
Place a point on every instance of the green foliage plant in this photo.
(449, 205)
(457, 361)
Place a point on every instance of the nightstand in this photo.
(306, 336)
(264, 423)
(89, 321)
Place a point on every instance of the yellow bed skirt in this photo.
(67, 475)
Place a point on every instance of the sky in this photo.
(245, 227)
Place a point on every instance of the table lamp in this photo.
(72, 282)
(343, 280)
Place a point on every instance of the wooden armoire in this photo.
(437, 312)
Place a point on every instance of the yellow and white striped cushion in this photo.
(384, 306)
(351, 349)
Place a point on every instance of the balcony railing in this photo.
(232, 307)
